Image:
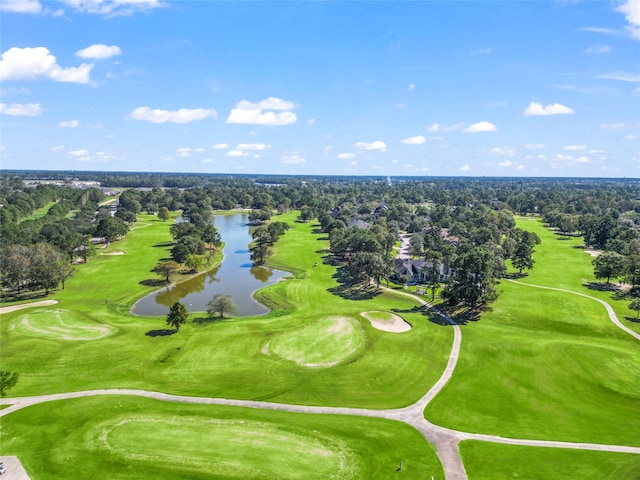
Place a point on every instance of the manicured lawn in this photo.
(231, 358)
(490, 461)
(562, 263)
(545, 365)
(128, 437)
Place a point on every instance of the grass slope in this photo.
(556, 366)
(136, 438)
(225, 359)
(488, 461)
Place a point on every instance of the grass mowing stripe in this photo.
(138, 438)
(490, 461)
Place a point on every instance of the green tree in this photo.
(635, 306)
(221, 304)
(177, 315)
(8, 380)
(166, 268)
(609, 264)
(163, 214)
(194, 262)
(111, 229)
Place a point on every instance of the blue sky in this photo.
(509, 88)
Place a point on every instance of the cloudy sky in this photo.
(342, 88)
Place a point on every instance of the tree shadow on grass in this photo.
(357, 292)
(153, 282)
(632, 319)
(602, 287)
(163, 244)
(515, 275)
(22, 296)
(162, 332)
(207, 320)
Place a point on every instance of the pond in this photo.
(235, 276)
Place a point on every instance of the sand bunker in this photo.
(13, 308)
(388, 322)
(593, 253)
(114, 252)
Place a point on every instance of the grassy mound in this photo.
(325, 342)
(139, 438)
(60, 324)
(489, 461)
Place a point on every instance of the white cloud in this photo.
(57, 148)
(605, 31)
(621, 76)
(69, 124)
(184, 115)
(417, 140)
(465, 168)
(207, 160)
(311, 121)
(293, 159)
(597, 48)
(236, 153)
(113, 7)
(535, 146)
(436, 127)
(506, 164)
(574, 148)
(327, 149)
(536, 109)
(99, 51)
(262, 113)
(582, 160)
(31, 63)
(411, 87)
(220, 146)
(481, 127)
(616, 126)
(20, 6)
(510, 151)
(482, 51)
(377, 145)
(252, 146)
(79, 153)
(346, 156)
(631, 11)
(21, 109)
(184, 151)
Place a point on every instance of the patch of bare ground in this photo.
(13, 308)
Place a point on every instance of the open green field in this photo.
(366, 368)
(137, 438)
(561, 262)
(40, 212)
(557, 367)
(489, 461)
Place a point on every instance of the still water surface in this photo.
(235, 276)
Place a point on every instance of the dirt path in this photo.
(13, 308)
(612, 314)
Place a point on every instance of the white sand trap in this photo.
(13, 308)
(387, 322)
(593, 253)
(114, 252)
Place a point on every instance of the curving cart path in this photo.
(445, 440)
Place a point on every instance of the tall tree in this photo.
(221, 304)
(609, 264)
(163, 214)
(177, 315)
(8, 380)
(166, 268)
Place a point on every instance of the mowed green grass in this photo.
(490, 461)
(231, 358)
(324, 342)
(542, 364)
(137, 438)
(561, 262)
(40, 212)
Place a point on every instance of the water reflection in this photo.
(235, 276)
